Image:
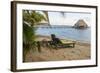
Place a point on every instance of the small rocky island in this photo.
(80, 24)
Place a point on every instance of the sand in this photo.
(81, 51)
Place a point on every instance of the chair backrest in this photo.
(53, 37)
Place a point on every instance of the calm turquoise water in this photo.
(83, 35)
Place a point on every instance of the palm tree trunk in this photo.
(46, 13)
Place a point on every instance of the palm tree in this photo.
(33, 17)
(30, 19)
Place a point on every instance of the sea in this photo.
(83, 35)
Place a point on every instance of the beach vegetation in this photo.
(30, 19)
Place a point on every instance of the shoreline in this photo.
(49, 38)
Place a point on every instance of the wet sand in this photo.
(81, 51)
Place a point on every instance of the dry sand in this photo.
(81, 51)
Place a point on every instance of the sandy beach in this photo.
(81, 51)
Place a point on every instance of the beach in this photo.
(81, 51)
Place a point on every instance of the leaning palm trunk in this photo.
(47, 16)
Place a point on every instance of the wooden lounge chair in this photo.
(57, 43)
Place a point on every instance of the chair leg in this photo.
(73, 45)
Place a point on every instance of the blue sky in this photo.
(69, 18)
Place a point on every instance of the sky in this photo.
(68, 18)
